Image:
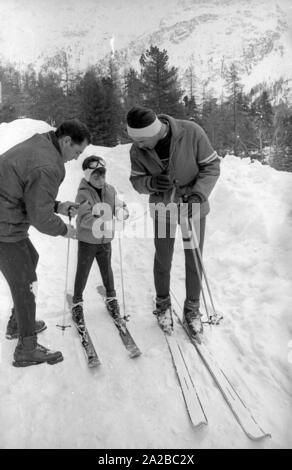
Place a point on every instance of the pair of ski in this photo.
(193, 403)
(86, 341)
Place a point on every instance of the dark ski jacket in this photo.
(193, 163)
(30, 175)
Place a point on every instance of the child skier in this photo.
(98, 206)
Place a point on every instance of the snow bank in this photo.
(16, 131)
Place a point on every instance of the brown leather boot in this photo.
(28, 353)
(12, 328)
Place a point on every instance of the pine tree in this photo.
(11, 88)
(209, 117)
(92, 104)
(160, 84)
(133, 89)
(261, 113)
(29, 85)
(281, 158)
(190, 79)
(234, 88)
(238, 111)
(61, 64)
(191, 109)
(49, 98)
(113, 103)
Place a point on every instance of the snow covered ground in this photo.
(137, 403)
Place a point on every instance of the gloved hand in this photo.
(101, 209)
(96, 210)
(68, 208)
(161, 183)
(122, 213)
(71, 232)
(191, 206)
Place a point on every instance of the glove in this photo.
(122, 213)
(96, 211)
(71, 232)
(193, 206)
(67, 208)
(190, 207)
(161, 183)
(103, 210)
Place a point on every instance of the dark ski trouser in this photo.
(18, 262)
(163, 259)
(86, 253)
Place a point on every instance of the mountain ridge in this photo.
(205, 35)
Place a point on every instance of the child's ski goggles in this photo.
(93, 166)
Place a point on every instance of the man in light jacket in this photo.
(30, 175)
(172, 160)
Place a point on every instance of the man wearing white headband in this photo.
(151, 130)
(172, 160)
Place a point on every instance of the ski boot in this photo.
(114, 309)
(28, 353)
(77, 314)
(163, 314)
(12, 327)
(192, 318)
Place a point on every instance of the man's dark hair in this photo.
(139, 117)
(74, 129)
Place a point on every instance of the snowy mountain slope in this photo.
(206, 34)
(209, 37)
(137, 403)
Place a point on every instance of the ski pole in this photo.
(126, 317)
(173, 193)
(63, 326)
(199, 255)
(195, 256)
(185, 227)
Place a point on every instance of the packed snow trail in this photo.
(138, 404)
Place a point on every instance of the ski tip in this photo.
(197, 339)
(259, 437)
(135, 354)
(93, 364)
(199, 424)
(169, 333)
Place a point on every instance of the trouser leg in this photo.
(193, 278)
(86, 254)
(18, 261)
(103, 257)
(164, 247)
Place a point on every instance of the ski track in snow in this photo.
(137, 403)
